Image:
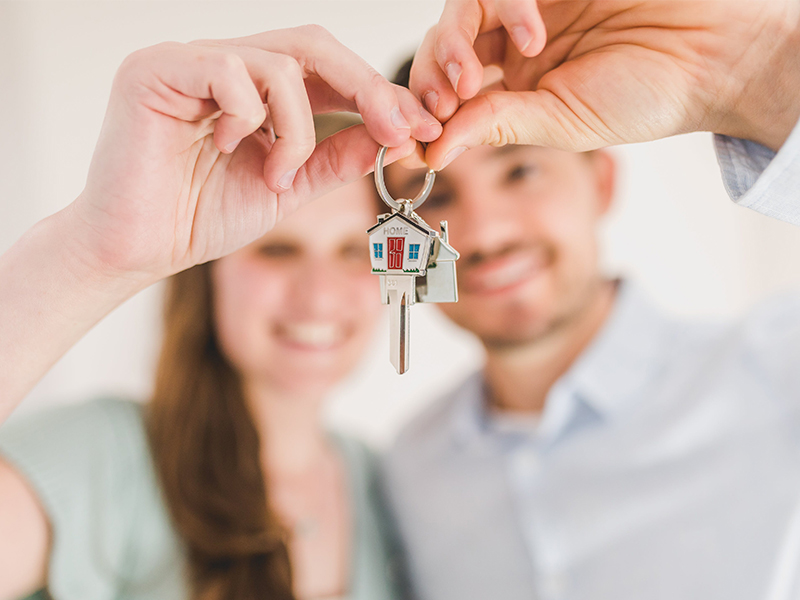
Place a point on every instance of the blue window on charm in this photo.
(377, 250)
(413, 252)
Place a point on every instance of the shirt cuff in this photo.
(758, 178)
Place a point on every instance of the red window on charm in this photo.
(395, 252)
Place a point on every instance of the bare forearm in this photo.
(51, 294)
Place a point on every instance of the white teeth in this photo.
(507, 275)
(317, 335)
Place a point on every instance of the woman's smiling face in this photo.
(295, 310)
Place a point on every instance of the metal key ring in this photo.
(430, 177)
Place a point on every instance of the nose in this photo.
(319, 290)
(483, 223)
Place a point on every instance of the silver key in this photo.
(415, 262)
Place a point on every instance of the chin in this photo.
(311, 372)
(505, 324)
(303, 382)
(518, 333)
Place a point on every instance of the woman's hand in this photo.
(206, 145)
(579, 75)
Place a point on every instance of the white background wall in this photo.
(673, 228)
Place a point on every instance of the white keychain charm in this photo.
(415, 262)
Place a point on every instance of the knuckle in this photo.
(305, 145)
(257, 117)
(286, 66)
(315, 32)
(499, 133)
(140, 58)
(376, 79)
(296, 146)
(448, 42)
(335, 153)
(138, 64)
(227, 63)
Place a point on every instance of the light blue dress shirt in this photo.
(665, 465)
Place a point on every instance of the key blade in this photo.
(401, 297)
(398, 337)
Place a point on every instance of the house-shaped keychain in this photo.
(414, 262)
(403, 244)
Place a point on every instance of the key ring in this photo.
(430, 177)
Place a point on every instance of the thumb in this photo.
(338, 160)
(500, 118)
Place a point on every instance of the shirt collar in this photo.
(625, 355)
(618, 363)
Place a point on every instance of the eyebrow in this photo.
(509, 149)
(418, 179)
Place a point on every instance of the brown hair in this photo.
(207, 454)
(207, 451)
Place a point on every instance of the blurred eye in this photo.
(358, 252)
(520, 172)
(278, 250)
(437, 201)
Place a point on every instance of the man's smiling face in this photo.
(524, 219)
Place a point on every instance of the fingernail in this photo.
(431, 100)
(398, 120)
(232, 146)
(427, 117)
(286, 181)
(521, 36)
(453, 71)
(452, 155)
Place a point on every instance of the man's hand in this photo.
(610, 72)
(206, 145)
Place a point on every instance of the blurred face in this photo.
(295, 309)
(524, 219)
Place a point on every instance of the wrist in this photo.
(53, 291)
(767, 107)
(84, 259)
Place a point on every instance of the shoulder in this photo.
(775, 319)
(91, 467)
(71, 452)
(770, 337)
(759, 350)
(105, 421)
(767, 338)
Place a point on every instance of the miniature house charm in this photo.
(406, 245)
(415, 263)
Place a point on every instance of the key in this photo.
(400, 297)
(415, 262)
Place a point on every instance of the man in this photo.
(605, 451)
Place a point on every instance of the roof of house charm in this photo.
(404, 244)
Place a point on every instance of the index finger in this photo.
(453, 42)
(389, 120)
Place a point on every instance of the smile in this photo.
(313, 335)
(502, 273)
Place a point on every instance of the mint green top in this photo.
(112, 537)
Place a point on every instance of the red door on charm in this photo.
(396, 252)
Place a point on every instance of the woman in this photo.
(265, 503)
(225, 486)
